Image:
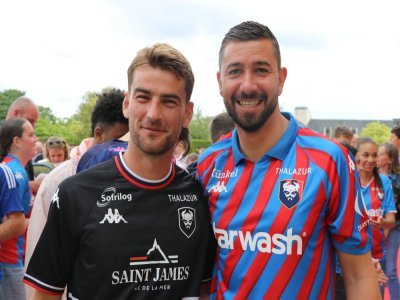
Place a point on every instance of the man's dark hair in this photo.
(221, 124)
(108, 109)
(250, 31)
(343, 131)
(396, 131)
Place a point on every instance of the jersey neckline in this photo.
(141, 182)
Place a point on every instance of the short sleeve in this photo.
(348, 219)
(50, 266)
(10, 201)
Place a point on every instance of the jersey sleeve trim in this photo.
(41, 286)
(11, 182)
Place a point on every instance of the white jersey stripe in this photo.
(9, 176)
(44, 284)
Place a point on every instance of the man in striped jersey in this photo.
(12, 218)
(284, 200)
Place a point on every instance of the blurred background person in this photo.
(18, 146)
(180, 152)
(388, 164)
(395, 137)
(24, 107)
(220, 125)
(354, 140)
(56, 150)
(342, 134)
(109, 127)
(378, 196)
(39, 152)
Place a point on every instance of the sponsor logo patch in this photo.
(187, 220)
(110, 194)
(290, 192)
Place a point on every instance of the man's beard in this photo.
(250, 122)
(153, 147)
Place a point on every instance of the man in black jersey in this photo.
(137, 226)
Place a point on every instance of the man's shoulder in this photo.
(311, 140)
(95, 175)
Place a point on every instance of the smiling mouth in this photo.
(249, 103)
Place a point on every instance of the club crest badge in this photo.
(290, 192)
(187, 220)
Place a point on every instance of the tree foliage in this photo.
(78, 126)
(6, 98)
(377, 131)
(80, 122)
(200, 126)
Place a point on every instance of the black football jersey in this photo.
(113, 235)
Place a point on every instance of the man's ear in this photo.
(125, 105)
(219, 82)
(98, 135)
(188, 114)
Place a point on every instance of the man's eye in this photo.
(262, 71)
(142, 97)
(234, 72)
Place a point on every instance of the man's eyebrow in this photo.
(166, 95)
(233, 65)
(174, 96)
(262, 63)
(141, 90)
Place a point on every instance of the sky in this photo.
(342, 56)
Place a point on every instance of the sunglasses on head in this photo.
(57, 142)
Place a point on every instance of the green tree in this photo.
(377, 131)
(6, 98)
(49, 125)
(199, 127)
(80, 122)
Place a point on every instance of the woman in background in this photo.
(378, 196)
(17, 147)
(56, 150)
(388, 164)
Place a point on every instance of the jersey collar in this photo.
(280, 150)
(141, 182)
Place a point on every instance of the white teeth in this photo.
(248, 103)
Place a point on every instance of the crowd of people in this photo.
(271, 210)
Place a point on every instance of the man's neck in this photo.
(254, 145)
(147, 166)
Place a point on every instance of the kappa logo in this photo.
(155, 255)
(218, 188)
(187, 220)
(290, 192)
(352, 166)
(113, 217)
(18, 175)
(55, 198)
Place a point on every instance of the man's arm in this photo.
(360, 276)
(37, 295)
(13, 225)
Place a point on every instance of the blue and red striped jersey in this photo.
(278, 220)
(12, 251)
(379, 202)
